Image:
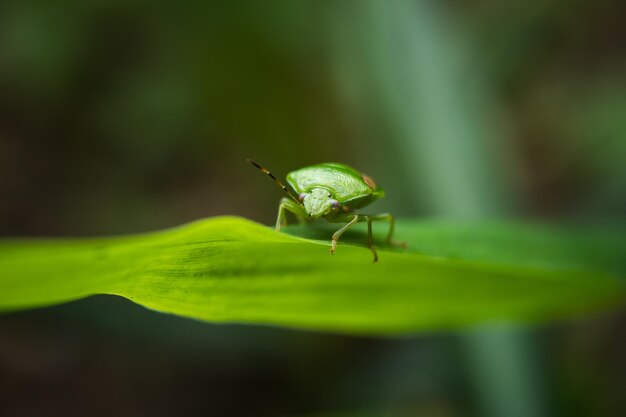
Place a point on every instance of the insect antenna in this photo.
(276, 180)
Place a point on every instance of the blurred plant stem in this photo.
(419, 74)
(503, 361)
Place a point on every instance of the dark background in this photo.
(120, 117)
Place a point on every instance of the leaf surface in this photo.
(228, 269)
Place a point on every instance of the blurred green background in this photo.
(120, 117)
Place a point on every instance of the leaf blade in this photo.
(230, 269)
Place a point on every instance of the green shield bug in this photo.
(331, 191)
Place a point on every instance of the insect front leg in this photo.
(339, 232)
(286, 205)
(354, 219)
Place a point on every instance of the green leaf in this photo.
(229, 269)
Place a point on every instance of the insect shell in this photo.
(330, 188)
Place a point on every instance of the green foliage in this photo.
(229, 269)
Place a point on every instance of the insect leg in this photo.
(285, 206)
(339, 232)
(356, 218)
(370, 244)
(392, 224)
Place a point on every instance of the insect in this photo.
(331, 191)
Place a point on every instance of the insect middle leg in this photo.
(392, 224)
(286, 205)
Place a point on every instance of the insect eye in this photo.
(334, 204)
(301, 197)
